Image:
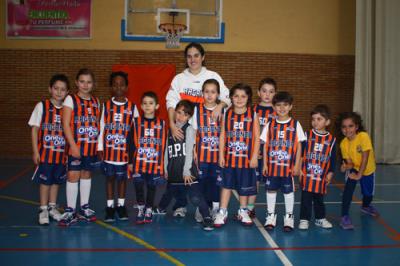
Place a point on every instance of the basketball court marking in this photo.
(8, 181)
(282, 257)
(336, 202)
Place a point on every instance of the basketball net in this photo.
(173, 33)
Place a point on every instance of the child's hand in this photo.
(265, 170)
(221, 162)
(254, 162)
(130, 168)
(36, 158)
(300, 176)
(188, 180)
(346, 165)
(75, 152)
(355, 176)
(296, 170)
(329, 178)
(100, 155)
(176, 132)
(217, 112)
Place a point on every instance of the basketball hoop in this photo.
(173, 33)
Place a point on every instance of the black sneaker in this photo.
(208, 224)
(122, 213)
(110, 215)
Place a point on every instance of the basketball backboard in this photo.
(202, 18)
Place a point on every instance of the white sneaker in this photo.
(43, 217)
(220, 218)
(54, 213)
(180, 212)
(243, 217)
(270, 221)
(304, 224)
(288, 222)
(324, 223)
(197, 216)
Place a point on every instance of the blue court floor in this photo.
(181, 241)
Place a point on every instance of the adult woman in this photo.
(187, 85)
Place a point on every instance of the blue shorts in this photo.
(243, 180)
(367, 183)
(120, 172)
(285, 184)
(260, 176)
(151, 179)
(50, 174)
(87, 163)
(209, 170)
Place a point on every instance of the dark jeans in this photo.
(179, 192)
(307, 200)
(348, 196)
(151, 192)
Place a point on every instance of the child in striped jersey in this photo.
(48, 145)
(282, 158)
(266, 91)
(318, 166)
(238, 151)
(81, 115)
(208, 131)
(115, 126)
(149, 136)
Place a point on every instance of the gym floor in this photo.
(181, 241)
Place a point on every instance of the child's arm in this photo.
(256, 142)
(190, 142)
(222, 145)
(67, 113)
(100, 147)
(297, 164)
(264, 137)
(363, 165)
(332, 165)
(35, 155)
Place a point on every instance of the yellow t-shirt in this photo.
(353, 150)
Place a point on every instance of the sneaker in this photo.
(220, 218)
(110, 215)
(208, 224)
(370, 210)
(197, 216)
(68, 217)
(346, 223)
(122, 213)
(304, 224)
(252, 213)
(243, 217)
(148, 216)
(180, 212)
(288, 222)
(270, 221)
(324, 223)
(87, 214)
(43, 217)
(54, 213)
(140, 215)
(157, 211)
(214, 213)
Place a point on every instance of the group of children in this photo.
(235, 151)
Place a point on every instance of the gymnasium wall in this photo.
(307, 46)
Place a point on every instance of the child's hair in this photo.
(188, 107)
(150, 94)
(59, 77)
(282, 97)
(269, 81)
(323, 110)
(355, 117)
(196, 45)
(244, 87)
(119, 74)
(211, 81)
(85, 71)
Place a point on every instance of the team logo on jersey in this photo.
(56, 140)
(128, 112)
(117, 138)
(280, 155)
(315, 169)
(248, 119)
(90, 131)
(238, 146)
(213, 141)
(291, 129)
(149, 152)
(157, 126)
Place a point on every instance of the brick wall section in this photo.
(24, 76)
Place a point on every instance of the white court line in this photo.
(342, 184)
(285, 261)
(336, 202)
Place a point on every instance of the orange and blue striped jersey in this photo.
(117, 125)
(149, 137)
(318, 160)
(238, 138)
(85, 124)
(208, 132)
(282, 144)
(51, 140)
(265, 114)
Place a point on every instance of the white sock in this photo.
(271, 201)
(223, 210)
(289, 202)
(121, 202)
(43, 207)
(72, 194)
(215, 205)
(110, 203)
(85, 190)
